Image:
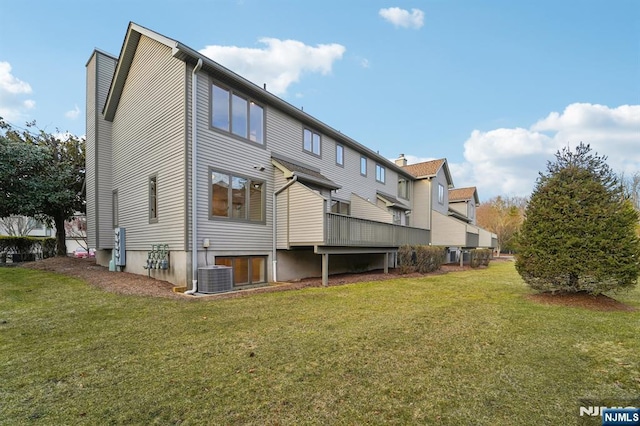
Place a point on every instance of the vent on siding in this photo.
(215, 279)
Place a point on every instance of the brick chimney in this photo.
(401, 161)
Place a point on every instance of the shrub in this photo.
(429, 258)
(406, 258)
(480, 257)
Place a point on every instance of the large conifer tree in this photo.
(579, 230)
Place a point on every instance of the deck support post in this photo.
(386, 263)
(325, 269)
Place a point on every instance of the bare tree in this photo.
(502, 216)
(18, 226)
(76, 229)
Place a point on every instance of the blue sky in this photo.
(495, 86)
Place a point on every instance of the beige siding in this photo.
(447, 231)
(486, 238)
(460, 207)
(421, 213)
(306, 215)
(99, 153)
(282, 213)
(148, 138)
(364, 209)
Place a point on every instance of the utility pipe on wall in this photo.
(274, 262)
(194, 178)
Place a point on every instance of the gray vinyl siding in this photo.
(99, 174)
(284, 136)
(485, 238)
(90, 152)
(148, 138)
(219, 150)
(441, 178)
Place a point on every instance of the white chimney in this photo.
(401, 161)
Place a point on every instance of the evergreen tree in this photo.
(579, 229)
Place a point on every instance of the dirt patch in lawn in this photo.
(600, 302)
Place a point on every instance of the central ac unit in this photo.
(215, 279)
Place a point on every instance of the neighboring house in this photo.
(28, 226)
(25, 226)
(278, 194)
(448, 212)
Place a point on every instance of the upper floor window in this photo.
(311, 142)
(234, 113)
(339, 155)
(363, 166)
(380, 173)
(471, 210)
(153, 198)
(440, 193)
(237, 197)
(403, 188)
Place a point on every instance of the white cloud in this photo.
(73, 114)
(506, 161)
(280, 64)
(402, 17)
(13, 106)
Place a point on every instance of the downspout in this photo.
(274, 262)
(194, 178)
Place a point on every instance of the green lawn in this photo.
(457, 349)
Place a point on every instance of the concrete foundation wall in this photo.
(298, 264)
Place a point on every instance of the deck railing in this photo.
(350, 231)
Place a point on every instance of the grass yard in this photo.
(463, 348)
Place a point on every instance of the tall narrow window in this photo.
(380, 173)
(239, 197)
(339, 155)
(311, 142)
(153, 198)
(256, 123)
(403, 188)
(114, 208)
(219, 194)
(220, 107)
(363, 166)
(440, 193)
(239, 109)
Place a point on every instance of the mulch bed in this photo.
(600, 302)
(127, 283)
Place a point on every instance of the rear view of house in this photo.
(190, 165)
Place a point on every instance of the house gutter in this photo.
(274, 262)
(194, 180)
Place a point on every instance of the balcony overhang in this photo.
(305, 173)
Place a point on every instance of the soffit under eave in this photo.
(305, 177)
(392, 202)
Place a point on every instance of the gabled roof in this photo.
(464, 194)
(305, 173)
(430, 169)
(391, 201)
(190, 56)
